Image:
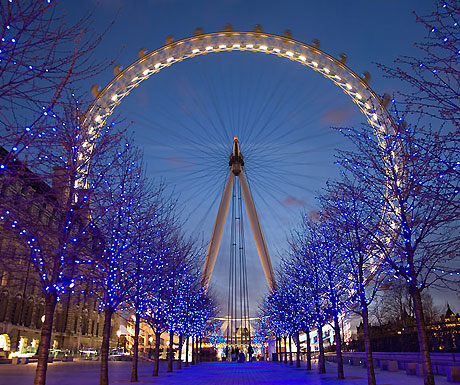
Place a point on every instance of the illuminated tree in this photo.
(117, 214)
(150, 224)
(177, 302)
(156, 316)
(202, 309)
(191, 308)
(42, 56)
(49, 213)
(434, 74)
(328, 250)
(354, 228)
(181, 285)
(155, 313)
(417, 198)
(214, 333)
(308, 275)
(285, 311)
(261, 332)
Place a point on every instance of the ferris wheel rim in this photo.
(372, 107)
(354, 86)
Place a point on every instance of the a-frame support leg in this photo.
(217, 232)
(259, 239)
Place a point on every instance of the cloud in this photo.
(338, 115)
(292, 201)
(177, 161)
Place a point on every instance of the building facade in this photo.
(78, 322)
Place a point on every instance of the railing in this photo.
(445, 364)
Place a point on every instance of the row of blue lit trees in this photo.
(78, 206)
(101, 228)
(44, 209)
(375, 226)
(394, 215)
(147, 264)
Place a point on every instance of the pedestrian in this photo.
(250, 352)
(241, 357)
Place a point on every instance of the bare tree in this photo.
(395, 306)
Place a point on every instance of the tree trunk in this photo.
(193, 350)
(280, 355)
(290, 350)
(186, 351)
(338, 348)
(298, 350)
(308, 349)
(321, 361)
(171, 351)
(285, 349)
(104, 378)
(156, 359)
(200, 357)
(276, 348)
(179, 361)
(422, 337)
(134, 376)
(367, 346)
(281, 350)
(45, 339)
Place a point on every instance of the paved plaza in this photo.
(227, 373)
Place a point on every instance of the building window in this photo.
(16, 310)
(27, 313)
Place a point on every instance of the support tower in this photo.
(236, 164)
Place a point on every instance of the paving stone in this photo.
(220, 373)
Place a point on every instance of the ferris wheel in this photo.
(277, 113)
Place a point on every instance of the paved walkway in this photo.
(219, 373)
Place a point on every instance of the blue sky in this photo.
(282, 112)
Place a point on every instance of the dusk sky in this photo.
(185, 117)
